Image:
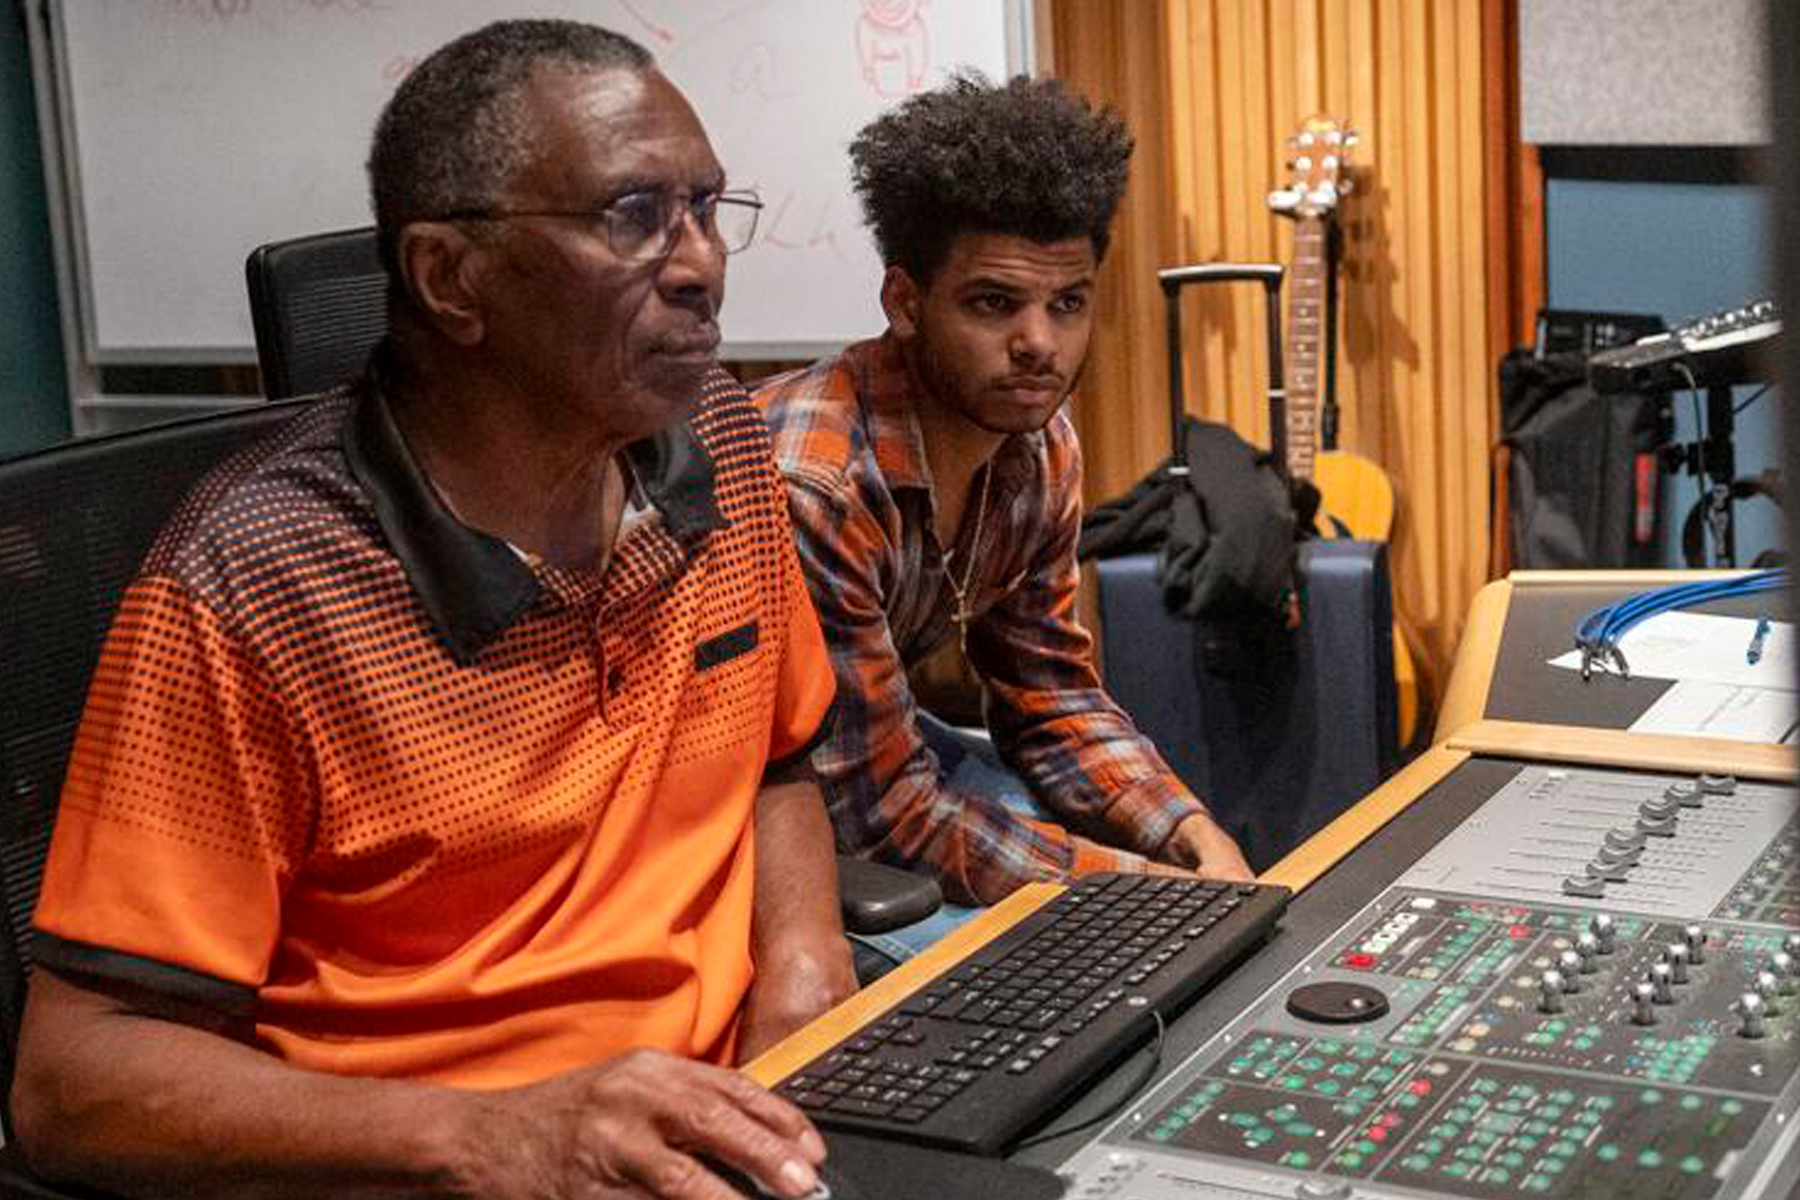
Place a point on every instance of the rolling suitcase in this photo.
(1278, 731)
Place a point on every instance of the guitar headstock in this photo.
(1318, 169)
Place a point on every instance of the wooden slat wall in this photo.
(1212, 89)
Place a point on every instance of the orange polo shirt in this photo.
(417, 807)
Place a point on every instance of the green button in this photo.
(1691, 1102)
(1650, 1159)
(1329, 1087)
(1693, 1164)
(1650, 1096)
(1350, 1161)
(1732, 1108)
(1296, 1158)
(1606, 1153)
(1457, 1169)
(1311, 1062)
(1299, 1129)
(1416, 1162)
(1552, 1166)
(1570, 1149)
(1497, 1175)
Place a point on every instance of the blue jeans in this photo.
(970, 765)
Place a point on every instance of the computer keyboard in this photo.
(981, 1053)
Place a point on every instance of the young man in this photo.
(440, 822)
(935, 484)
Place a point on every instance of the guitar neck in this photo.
(1307, 282)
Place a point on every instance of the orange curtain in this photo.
(1212, 90)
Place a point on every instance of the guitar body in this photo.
(1356, 499)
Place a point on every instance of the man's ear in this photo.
(901, 300)
(441, 268)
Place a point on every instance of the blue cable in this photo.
(1597, 635)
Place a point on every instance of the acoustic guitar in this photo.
(1356, 498)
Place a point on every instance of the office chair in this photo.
(74, 523)
(318, 305)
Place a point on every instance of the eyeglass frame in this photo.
(671, 229)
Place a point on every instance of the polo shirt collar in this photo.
(474, 585)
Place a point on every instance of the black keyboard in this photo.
(981, 1053)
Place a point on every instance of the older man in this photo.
(440, 822)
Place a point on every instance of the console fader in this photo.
(1520, 1015)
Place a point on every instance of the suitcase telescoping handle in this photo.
(1173, 279)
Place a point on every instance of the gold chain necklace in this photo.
(963, 614)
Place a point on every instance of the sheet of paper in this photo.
(1703, 648)
(1722, 710)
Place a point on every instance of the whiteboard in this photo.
(193, 131)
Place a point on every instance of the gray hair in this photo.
(454, 134)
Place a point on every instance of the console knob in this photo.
(1623, 837)
(1590, 886)
(1718, 785)
(1613, 854)
(1587, 946)
(1568, 965)
(1785, 967)
(1695, 937)
(1676, 955)
(1662, 983)
(1750, 1015)
(1604, 934)
(1683, 792)
(1643, 1004)
(1550, 992)
(1659, 808)
(1322, 1189)
(1658, 826)
(1769, 988)
(1617, 872)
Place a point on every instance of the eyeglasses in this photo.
(645, 226)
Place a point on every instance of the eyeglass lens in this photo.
(646, 224)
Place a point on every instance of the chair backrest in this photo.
(74, 522)
(319, 305)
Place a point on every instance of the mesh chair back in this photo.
(74, 523)
(319, 305)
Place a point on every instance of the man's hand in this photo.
(791, 991)
(1202, 847)
(643, 1124)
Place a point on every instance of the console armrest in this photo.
(877, 897)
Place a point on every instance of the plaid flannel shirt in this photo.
(859, 490)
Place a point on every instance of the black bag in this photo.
(1223, 532)
(1582, 482)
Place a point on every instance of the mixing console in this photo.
(1482, 1030)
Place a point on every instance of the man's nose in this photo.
(1033, 337)
(696, 262)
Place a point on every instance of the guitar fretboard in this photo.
(1305, 343)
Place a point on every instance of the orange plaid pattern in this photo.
(859, 489)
